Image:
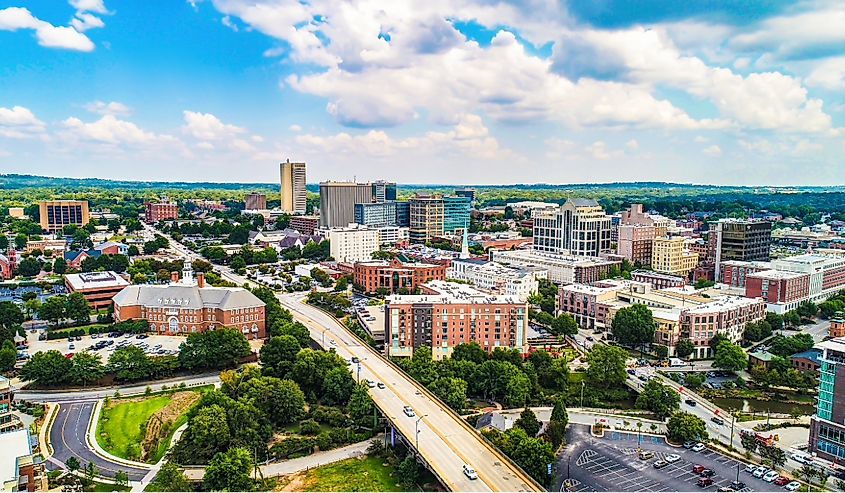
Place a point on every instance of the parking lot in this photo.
(611, 464)
(168, 343)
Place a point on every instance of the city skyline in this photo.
(479, 92)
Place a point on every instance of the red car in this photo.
(697, 468)
(68, 355)
(704, 482)
(780, 481)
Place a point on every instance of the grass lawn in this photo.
(124, 424)
(366, 474)
(294, 427)
(105, 487)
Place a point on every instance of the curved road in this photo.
(67, 437)
(96, 394)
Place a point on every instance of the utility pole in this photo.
(582, 395)
(733, 418)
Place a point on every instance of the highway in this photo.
(67, 437)
(444, 441)
(96, 394)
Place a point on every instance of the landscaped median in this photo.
(140, 428)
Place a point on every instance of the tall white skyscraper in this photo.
(293, 186)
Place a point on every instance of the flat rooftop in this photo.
(95, 280)
(14, 444)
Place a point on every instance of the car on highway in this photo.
(737, 485)
(780, 481)
(409, 411)
(704, 482)
(71, 346)
(792, 486)
(690, 402)
(760, 471)
(371, 384)
(770, 476)
(380, 385)
(717, 420)
(698, 447)
(698, 468)
(470, 472)
(590, 339)
(355, 359)
(660, 464)
(672, 458)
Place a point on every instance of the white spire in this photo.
(465, 243)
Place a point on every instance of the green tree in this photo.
(717, 338)
(229, 471)
(10, 315)
(528, 422)
(281, 400)
(452, 391)
(684, 348)
(239, 235)
(91, 471)
(72, 464)
(749, 443)
(660, 399)
(277, 355)
(683, 426)
(469, 351)
(121, 478)
(4, 243)
(87, 367)
(216, 348)
(20, 241)
(361, 405)
(559, 413)
(237, 263)
(606, 365)
(129, 363)
(407, 472)
(60, 265)
(661, 351)
(564, 325)
(693, 381)
(53, 308)
(730, 357)
(77, 308)
(338, 386)
(170, 478)
(422, 366)
(8, 355)
(46, 368)
(29, 267)
(633, 325)
(775, 455)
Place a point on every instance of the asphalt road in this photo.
(611, 464)
(67, 437)
(443, 441)
(98, 393)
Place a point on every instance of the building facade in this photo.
(580, 227)
(375, 214)
(293, 192)
(98, 287)
(781, 290)
(354, 243)
(827, 431)
(188, 305)
(497, 278)
(56, 214)
(304, 224)
(727, 315)
(455, 214)
(384, 191)
(338, 199)
(448, 314)
(560, 268)
(669, 257)
(159, 211)
(740, 239)
(255, 201)
(634, 242)
(658, 280)
(426, 217)
(393, 274)
(735, 272)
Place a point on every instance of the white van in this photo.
(470, 472)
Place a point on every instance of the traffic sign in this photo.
(549, 468)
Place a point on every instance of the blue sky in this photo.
(461, 91)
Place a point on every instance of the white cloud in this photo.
(20, 123)
(712, 151)
(829, 74)
(228, 23)
(89, 6)
(14, 18)
(257, 138)
(599, 151)
(699, 138)
(295, 128)
(83, 22)
(113, 108)
(110, 130)
(205, 145)
(741, 63)
(209, 127)
(632, 144)
(787, 34)
(468, 138)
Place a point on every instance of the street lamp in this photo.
(733, 418)
(418, 431)
(582, 395)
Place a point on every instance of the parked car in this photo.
(631, 372)
(706, 473)
(750, 467)
(698, 447)
(760, 471)
(737, 485)
(646, 454)
(660, 464)
(704, 482)
(780, 481)
(690, 402)
(792, 486)
(770, 476)
(803, 459)
(672, 458)
(698, 468)
(689, 444)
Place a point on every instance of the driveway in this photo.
(67, 437)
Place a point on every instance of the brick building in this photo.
(305, 224)
(448, 314)
(734, 272)
(255, 201)
(778, 287)
(837, 326)
(807, 360)
(727, 315)
(98, 287)
(658, 280)
(189, 305)
(157, 211)
(394, 274)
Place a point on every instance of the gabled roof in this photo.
(107, 244)
(812, 354)
(184, 296)
(72, 255)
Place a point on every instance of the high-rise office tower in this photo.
(338, 199)
(580, 227)
(293, 186)
(55, 214)
(739, 239)
(384, 191)
(426, 217)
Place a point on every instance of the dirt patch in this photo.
(290, 482)
(159, 425)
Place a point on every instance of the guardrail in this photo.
(482, 439)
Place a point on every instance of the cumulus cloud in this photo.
(228, 23)
(20, 123)
(828, 73)
(110, 130)
(295, 128)
(113, 108)
(14, 18)
(89, 6)
(599, 151)
(699, 138)
(205, 126)
(712, 151)
(632, 144)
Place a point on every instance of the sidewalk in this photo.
(316, 460)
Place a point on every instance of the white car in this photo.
(698, 447)
(760, 471)
(802, 459)
(672, 458)
(792, 486)
(470, 472)
(750, 468)
(409, 411)
(770, 476)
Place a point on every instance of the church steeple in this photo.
(465, 243)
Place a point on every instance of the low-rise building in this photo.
(353, 243)
(8, 421)
(188, 305)
(159, 211)
(781, 290)
(726, 315)
(56, 246)
(98, 287)
(658, 280)
(669, 256)
(561, 268)
(393, 235)
(395, 274)
(827, 272)
(448, 314)
(305, 224)
(8, 264)
(21, 468)
(837, 325)
(497, 278)
(809, 360)
(74, 258)
(255, 200)
(761, 358)
(734, 272)
(112, 248)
